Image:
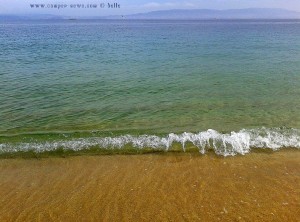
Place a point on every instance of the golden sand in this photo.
(152, 187)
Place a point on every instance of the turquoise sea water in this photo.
(230, 85)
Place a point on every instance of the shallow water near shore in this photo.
(228, 86)
(169, 187)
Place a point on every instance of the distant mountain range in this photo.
(251, 13)
(180, 14)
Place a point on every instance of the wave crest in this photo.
(228, 144)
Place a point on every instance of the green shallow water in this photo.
(147, 77)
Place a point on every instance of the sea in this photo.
(224, 86)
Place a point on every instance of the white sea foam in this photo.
(222, 144)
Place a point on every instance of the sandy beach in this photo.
(152, 187)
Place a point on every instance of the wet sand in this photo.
(152, 187)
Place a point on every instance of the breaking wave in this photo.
(227, 144)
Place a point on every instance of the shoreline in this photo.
(131, 151)
(225, 144)
(259, 186)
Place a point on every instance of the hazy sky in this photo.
(133, 6)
